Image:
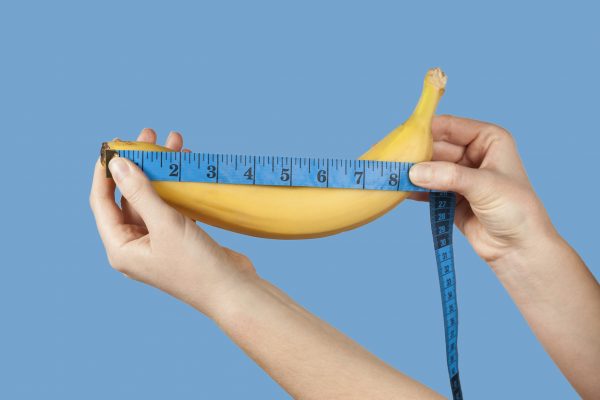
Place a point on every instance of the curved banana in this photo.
(301, 212)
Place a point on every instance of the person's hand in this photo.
(149, 241)
(497, 209)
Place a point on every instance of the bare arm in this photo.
(151, 242)
(509, 228)
(305, 355)
(560, 299)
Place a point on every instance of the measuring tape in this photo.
(321, 173)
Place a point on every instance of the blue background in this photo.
(271, 77)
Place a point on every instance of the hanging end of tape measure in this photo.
(106, 154)
(455, 386)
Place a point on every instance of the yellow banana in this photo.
(301, 212)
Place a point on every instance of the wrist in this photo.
(231, 295)
(528, 269)
(252, 299)
(216, 281)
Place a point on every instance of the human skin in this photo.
(497, 211)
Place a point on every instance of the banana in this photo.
(301, 212)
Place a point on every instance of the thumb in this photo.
(441, 175)
(137, 189)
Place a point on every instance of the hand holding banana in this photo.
(148, 240)
(478, 160)
(507, 225)
(497, 209)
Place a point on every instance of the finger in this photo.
(456, 130)
(487, 145)
(464, 218)
(444, 151)
(419, 196)
(186, 150)
(495, 149)
(129, 214)
(442, 175)
(147, 135)
(140, 194)
(174, 141)
(102, 201)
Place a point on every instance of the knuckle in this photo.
(245, 261)
(506, 133)
(445, 117)
(452, 176)
(116, 261)
(498, 132)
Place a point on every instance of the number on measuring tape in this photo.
(273, 170)
(441, 208)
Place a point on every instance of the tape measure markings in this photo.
(442, 206)
(240, 169)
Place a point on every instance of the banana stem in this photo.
(433, 89)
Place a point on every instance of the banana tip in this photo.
(437, 78)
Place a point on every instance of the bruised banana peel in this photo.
(302, 212)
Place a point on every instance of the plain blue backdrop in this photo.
(272, 77)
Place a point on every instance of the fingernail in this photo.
(118, 168)
(420, 173)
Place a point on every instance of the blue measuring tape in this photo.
(321, 173)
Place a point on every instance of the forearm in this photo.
(560, 299)
(307, 357)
